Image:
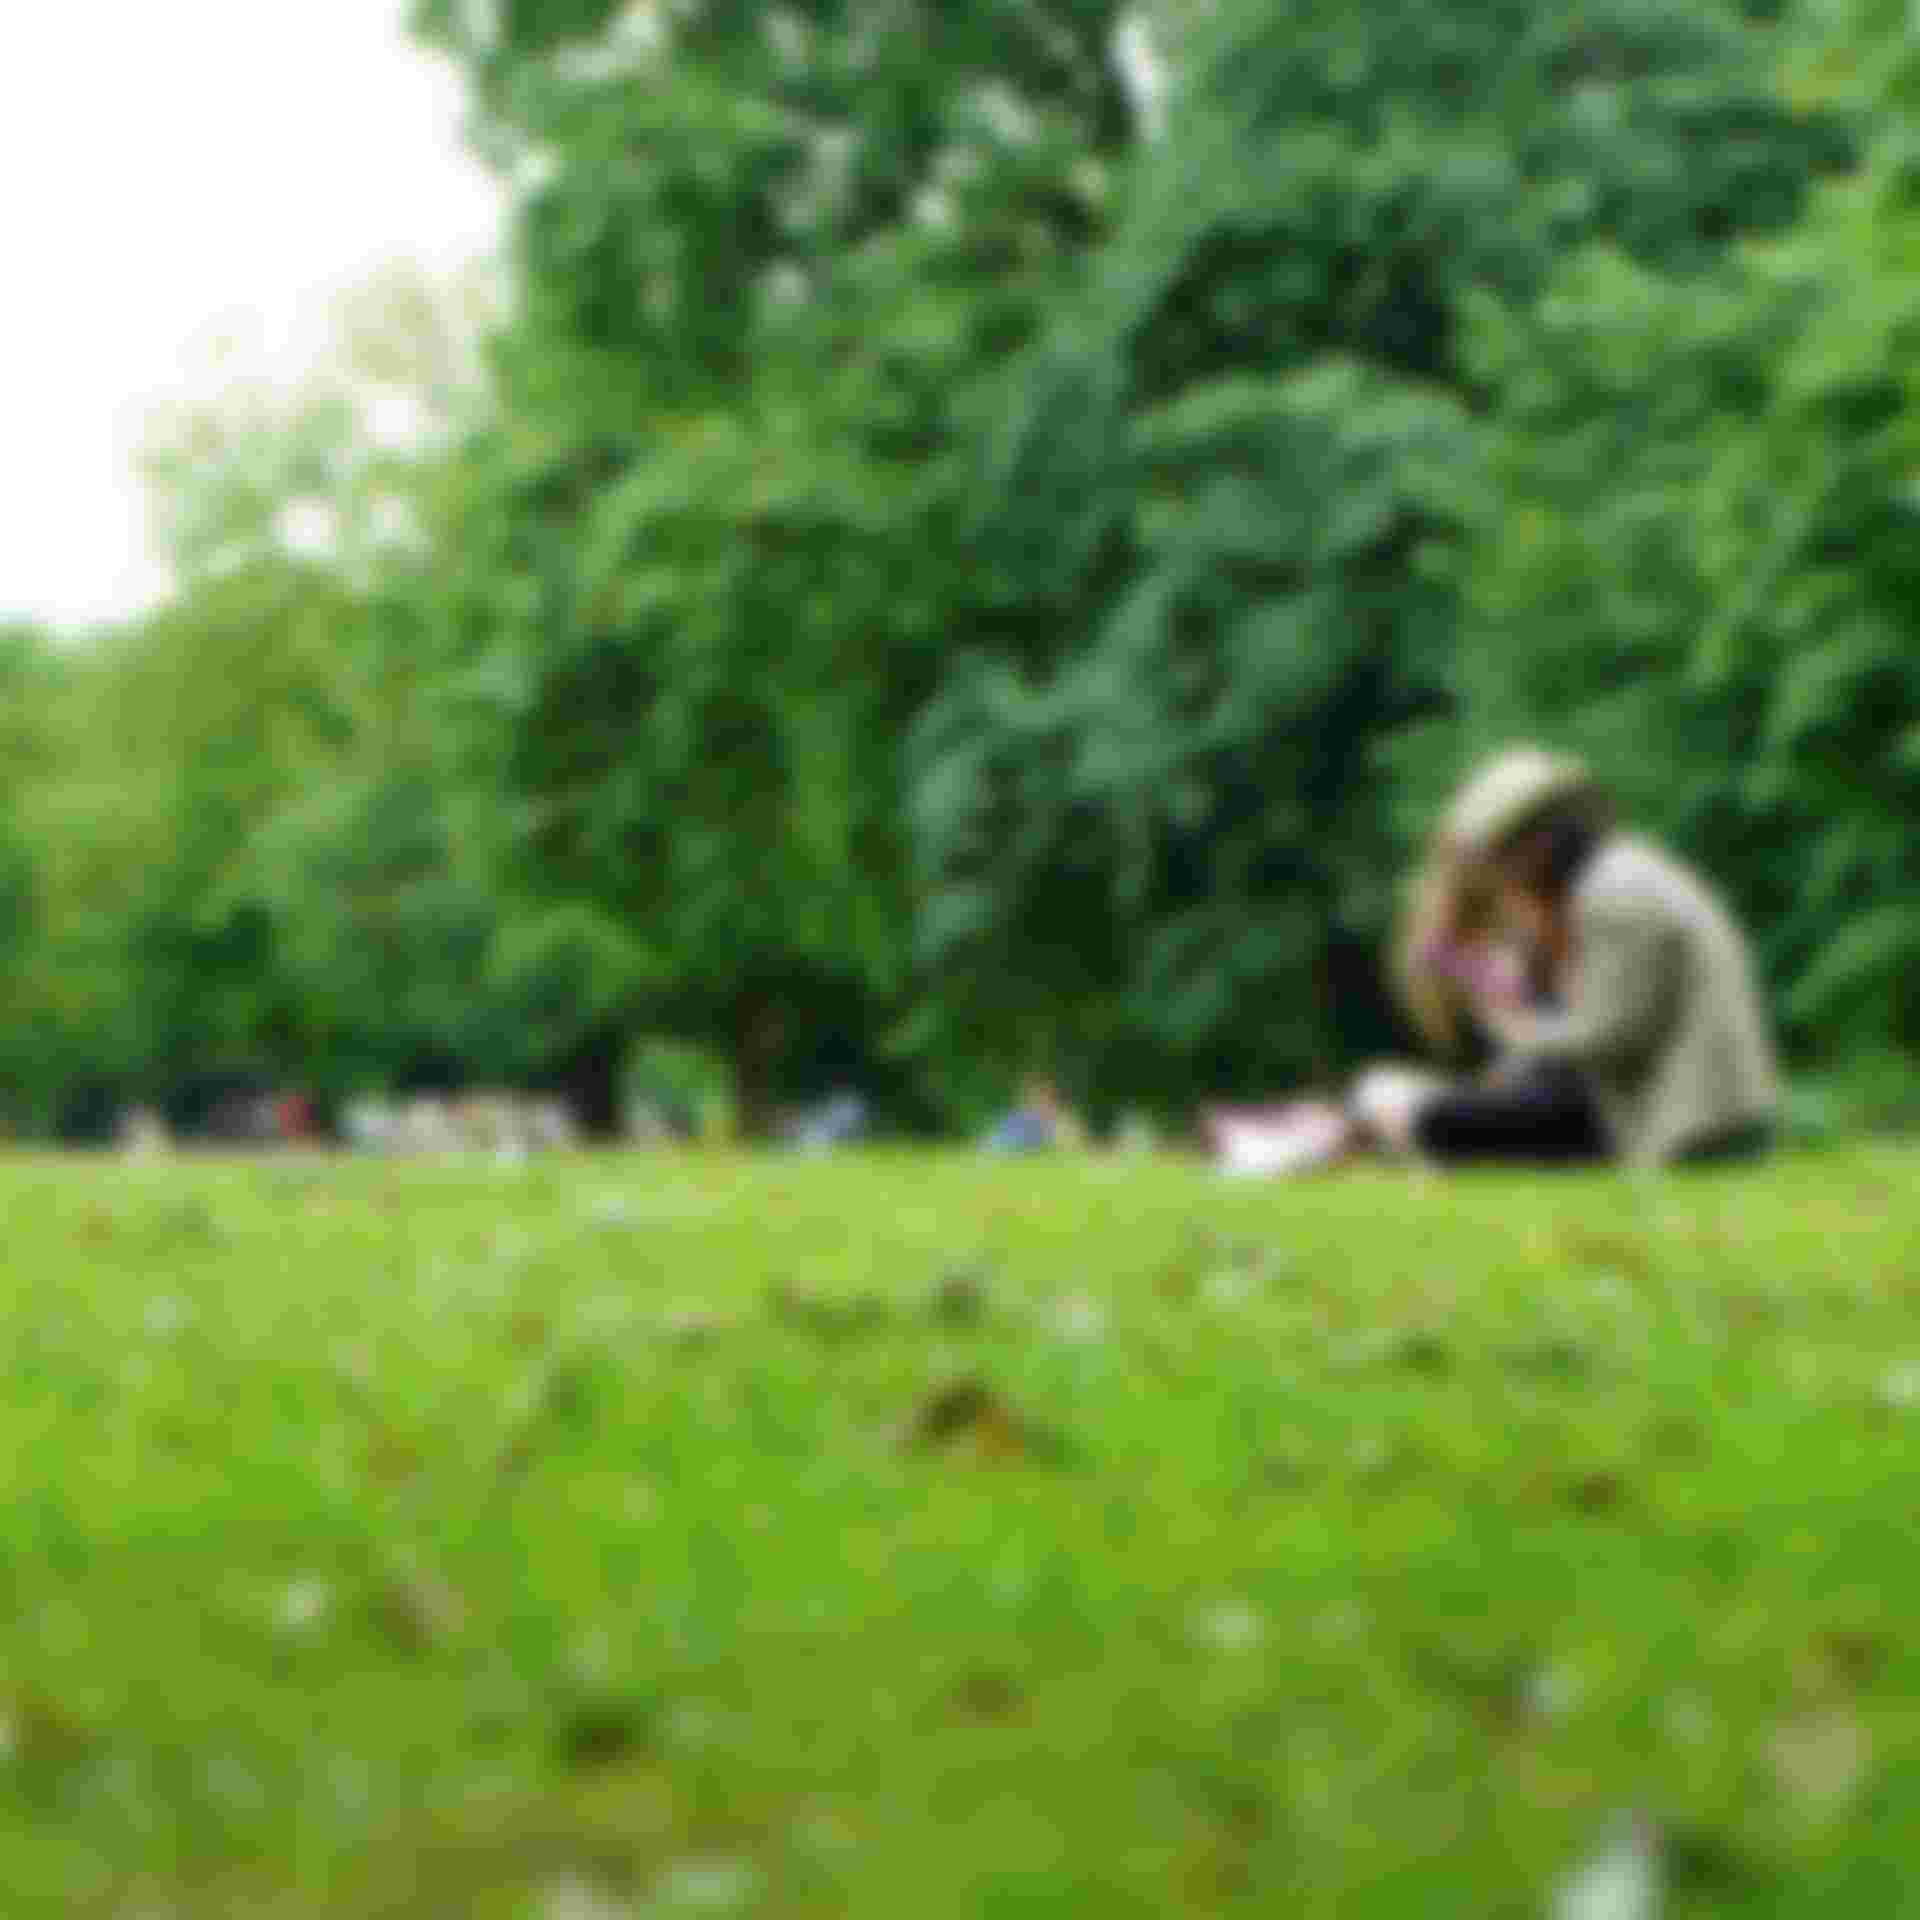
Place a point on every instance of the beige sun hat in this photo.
(1508, 792)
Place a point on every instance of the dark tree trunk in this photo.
(759, 1043)
(589, 1077)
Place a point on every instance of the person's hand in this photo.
(1488, 975)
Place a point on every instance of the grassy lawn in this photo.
(922, 1536)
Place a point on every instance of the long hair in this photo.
(1451, 896)
(1565, 837)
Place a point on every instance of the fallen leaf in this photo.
(968, 1414)
(1596, 1493)
(1700, 1861)
(1286, 1472)
(1821, 1760)
(601, 1733)
(416, 1611)
(1425, 1353)
(1179, 1280)
(1677, 1436)
(1495, 1686)
(528, 1328)
(391, 1458)
(691, 1326)
(1582, 1247)
(42, 1736)
(1854, 1657)
(576, 1898)
(811, 1312)
(986, 1693)
(959, 1298)
(566, 1392)
(949, 1411)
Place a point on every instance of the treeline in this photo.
(946, 564)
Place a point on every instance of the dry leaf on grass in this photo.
(1822, 1760)
(959, 1298)
(809, 1311)
(391, 1458)
(971, 1417)
(528, 1328)
(416, 1611)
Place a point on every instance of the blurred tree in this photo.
(39, 1046)
(129, 775)
(959, 549)
(1158, 779)
(277, 837)
(763, 257)
(1700, 549)
(243, 469)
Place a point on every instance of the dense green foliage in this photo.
(1719, 481)
(639, 1536)
(1229, 484)
(764, 257)
(941, 566)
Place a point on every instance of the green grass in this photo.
(639, 1535)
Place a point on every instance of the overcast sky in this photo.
(174, 172)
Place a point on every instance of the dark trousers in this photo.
(1547, 1118)
(1543, 1118)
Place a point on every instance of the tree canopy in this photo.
(941, 556)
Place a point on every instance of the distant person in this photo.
(552, 1122)
(427, 1126)
(841, 1120)
(295, 1120)
(1040, 1120)
(144, 1134)
(371, 1124)
(1653, 1047)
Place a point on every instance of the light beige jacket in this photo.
(1663, 1013)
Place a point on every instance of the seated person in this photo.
(1659, 1052)
(1469, 960)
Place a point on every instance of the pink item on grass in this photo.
(1268, 1142)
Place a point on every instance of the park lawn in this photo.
(921, 1535)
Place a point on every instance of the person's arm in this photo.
(1620, 997)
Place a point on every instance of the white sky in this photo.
(174, 172)
(185, 171)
